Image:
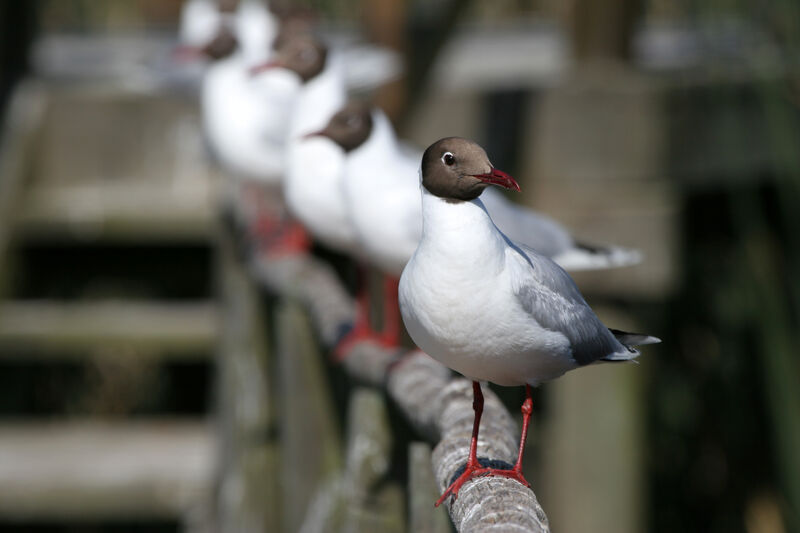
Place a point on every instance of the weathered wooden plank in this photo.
(115, 163)
(603, 472)
(92, 470)
(248, 496)
(422, 490)
(599, 163)
(357, 498)
(110, 210)
(369, 442)
(422, 389)
(49, 328)
(311, 450)
(97, 132)
(369, 507)
(601, 149)
(23, 119)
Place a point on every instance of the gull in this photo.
(488, 307)
(381, 187)
(314, 165)
(251, 21)
(381, 190)
(245, 121)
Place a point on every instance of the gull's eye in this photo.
(449, 159)
(353, 122)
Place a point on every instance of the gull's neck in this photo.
(378, 150)
(461, 228)
(382, 139)
(319, 99)
(257, 28)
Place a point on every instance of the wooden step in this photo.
(49, 328)
(92, 470)
(109, 210)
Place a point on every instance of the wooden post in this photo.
(311, 449)
(249, 497)
(597, 162)
(422, 389)
(422, 490)
(22, 123)
(593, 451)
(385, 23)
(357, 500)
(371, 506)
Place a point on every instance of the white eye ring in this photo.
(448, 159)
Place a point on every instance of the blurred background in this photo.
(673, 127)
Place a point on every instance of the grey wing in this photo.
(525, 226)
(550, 296)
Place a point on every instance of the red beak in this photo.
(186, 54)
(258, 69)
(320, 133)
(498, 177)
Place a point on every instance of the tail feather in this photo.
(633, 339)
(590, 257)
(628, 340)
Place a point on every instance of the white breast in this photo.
(313, 191)
(199, 22)
(256, 28)
(382, 194)
(458, 303)
(319, 99)
(246, 123)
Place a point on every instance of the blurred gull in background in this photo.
(314, 165)
(381, 188)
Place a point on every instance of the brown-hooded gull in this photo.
(381, 193)
(488, 307)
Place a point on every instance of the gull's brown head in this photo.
(227, 6)
(302, 54)
(222, 45)
(350, 127)
(458, 169)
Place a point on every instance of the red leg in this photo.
(252, 206)
(362, 301)
(263, 224)
(291, 238)
(473, 468)
(477, 406)
(265, 227)
(391, 311)
(362, 330)
(527, 409)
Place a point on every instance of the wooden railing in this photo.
(281, 463)
(310, 307)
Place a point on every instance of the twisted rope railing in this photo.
(436, 403)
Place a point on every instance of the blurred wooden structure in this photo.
(108, 164)
(124, 163)
(87, 164)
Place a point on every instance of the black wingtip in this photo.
(633, 339)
